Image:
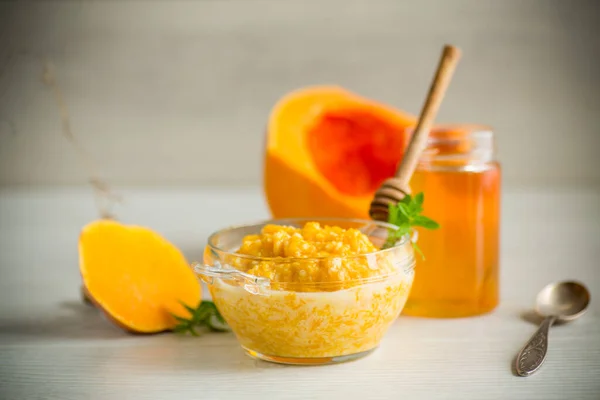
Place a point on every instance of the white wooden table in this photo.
(54, 347)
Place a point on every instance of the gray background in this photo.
(178, 93)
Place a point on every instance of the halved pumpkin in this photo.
(135, 276)
(328, 150)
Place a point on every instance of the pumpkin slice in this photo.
(135, 276)
(328, 150)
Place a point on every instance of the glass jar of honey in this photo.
(461, 180)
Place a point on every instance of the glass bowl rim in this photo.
(279, 221)
(406, 264)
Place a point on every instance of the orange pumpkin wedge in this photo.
(328, 150)
(135, 276)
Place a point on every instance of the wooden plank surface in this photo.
(54, 347)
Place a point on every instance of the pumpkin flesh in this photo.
(135, 276)
(328, 150)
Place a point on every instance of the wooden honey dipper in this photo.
(396, 188)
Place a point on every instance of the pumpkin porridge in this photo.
(331, 292)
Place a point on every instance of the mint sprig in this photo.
(205, 315)
(406, 214)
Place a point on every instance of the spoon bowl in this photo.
(565, 301)
(557, 302)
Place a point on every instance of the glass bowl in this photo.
(308, 322)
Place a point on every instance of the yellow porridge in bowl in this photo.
(317, 254)
(306, 291)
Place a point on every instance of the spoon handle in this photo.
(531, 357)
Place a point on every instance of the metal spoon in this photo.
(557, 302)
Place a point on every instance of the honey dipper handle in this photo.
(443, 76)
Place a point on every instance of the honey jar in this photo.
(461, 180)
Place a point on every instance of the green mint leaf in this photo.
(404, 210)
(418, 250)
(180, 319)
(180, 328)
(425, 222)
(402, 230)
(416, 206)
(398, 214)
(405, 215)
(392, 212)
(205, 315)
(191, 310)
(220, 318)
(208, 304)
(392, 238)
(406, 200)
(199, 317)
(420, 198)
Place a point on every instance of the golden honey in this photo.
(461, 180)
